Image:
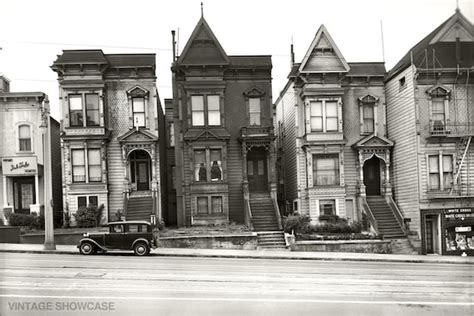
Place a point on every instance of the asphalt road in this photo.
(42, 284)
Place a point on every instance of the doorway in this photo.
(24, 194)
(140, 170)
(432, 234)
(372, 176)
(257, 172)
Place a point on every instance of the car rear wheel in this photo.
(87, 248)
(141, 249)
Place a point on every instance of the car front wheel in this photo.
(141, 249)
(87, 248)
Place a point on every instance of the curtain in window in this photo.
(447, 171)
(326, 170)
(368, 116)
(316, 116)
(92, 109)
(213, 110)
(255, 111)
(138, 112)
(200, 166)
(197, 109)
(24, 136)
(75, 110)
(437, 112)
(331, 116)
(434, 173)
(95, 172)
(78, 166)
(216, 164)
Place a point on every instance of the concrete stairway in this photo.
(402, 246)
(263, 212)
(139, 208)
(386, 221)
(271, 240)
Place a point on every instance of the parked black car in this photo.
(139, 236)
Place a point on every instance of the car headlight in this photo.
(86, 235)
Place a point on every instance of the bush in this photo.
(297, 223)
(89, 216)
(26, 220)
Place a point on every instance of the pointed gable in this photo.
(373, 141)
(323, 55)
(203, 48)
(134, 136)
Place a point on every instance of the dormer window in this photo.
(439, 109)
(368, 110)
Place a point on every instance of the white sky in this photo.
(33, 32)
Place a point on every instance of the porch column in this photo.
(361, 175)
(5, 198)
(244, 161)
(272, 167)
(387, 184)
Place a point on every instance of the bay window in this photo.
(324, 116)
(205, 110)
(77, 110)
(208, 165)
(325, 170)
(86, 165)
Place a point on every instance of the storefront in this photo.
(448, 231)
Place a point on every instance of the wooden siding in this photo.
(401, 128)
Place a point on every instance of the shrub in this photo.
(27, 220)
(297, 223)
(89, 216)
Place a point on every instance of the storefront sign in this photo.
(458, 213)
(19, 166)
(462, 229)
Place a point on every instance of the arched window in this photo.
(24, 137)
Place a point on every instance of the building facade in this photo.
(334, 156)
(29, 136)
(430, 116)
(223, 133)
(110, 128)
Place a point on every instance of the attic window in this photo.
(401, 84)
(323, 51)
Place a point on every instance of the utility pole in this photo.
(47, 178)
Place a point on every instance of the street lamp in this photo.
(47, 187)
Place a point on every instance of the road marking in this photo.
(224, 299)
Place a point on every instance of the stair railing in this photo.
(369, 214)
(247, 209)
(398, 214)
(273, 196)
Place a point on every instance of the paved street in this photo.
(43, 284)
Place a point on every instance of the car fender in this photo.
(141, 239)
(92, 241)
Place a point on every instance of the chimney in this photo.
(4, 84)
(174, 45)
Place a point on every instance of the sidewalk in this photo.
(256, 254)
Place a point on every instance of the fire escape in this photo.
(461, 155)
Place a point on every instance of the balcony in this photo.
(440, 129)
(257, 132)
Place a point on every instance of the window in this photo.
(327, 207)
(438, 115)
(199, 109)
(440, 172)
(138, 106)
(402, 84)
(78, 166)
(254, 111)
(324, 116)
(208, 165)
(85, 201)
(215, 203)
(368, 119)
(171, 135)
(93, 172)
(77, 112)
(24, 137)
(325, 169)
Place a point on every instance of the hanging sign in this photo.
(19, 166)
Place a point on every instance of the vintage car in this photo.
(139, 236)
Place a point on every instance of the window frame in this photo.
(322, 209)
(20, 139)
(442, 175)
(208, 164)
(86, 166)
(337, 175)
(209, 205)
(259, 112)
(88, 200)
(368, 101)
(205, 111)
(143, 99)
(323, 115)
(84, 110)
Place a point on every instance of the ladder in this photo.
(460, 157)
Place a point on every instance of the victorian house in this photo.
(110, 127)
(30, 153)
(224, 136)
(334, 156)
(430, 116)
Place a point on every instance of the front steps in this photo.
(139, 208)
(387, 223)
(263, 212)
(271, 240)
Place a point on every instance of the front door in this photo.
(140, 170)
(142, 176)
(257, 170)
(372, 176)
(431, 234)
(24, 193)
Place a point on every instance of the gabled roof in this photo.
(367, 69)
(203, 48)
(140, 135)
(323, 55)
(438, 49)
(373, 141)
(207, 134)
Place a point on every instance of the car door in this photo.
(115, 238)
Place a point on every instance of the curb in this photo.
(247, 256)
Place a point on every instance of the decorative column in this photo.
(37, 196)
(244, 162)
(273, 187)
(387, 184)
(361, 175)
